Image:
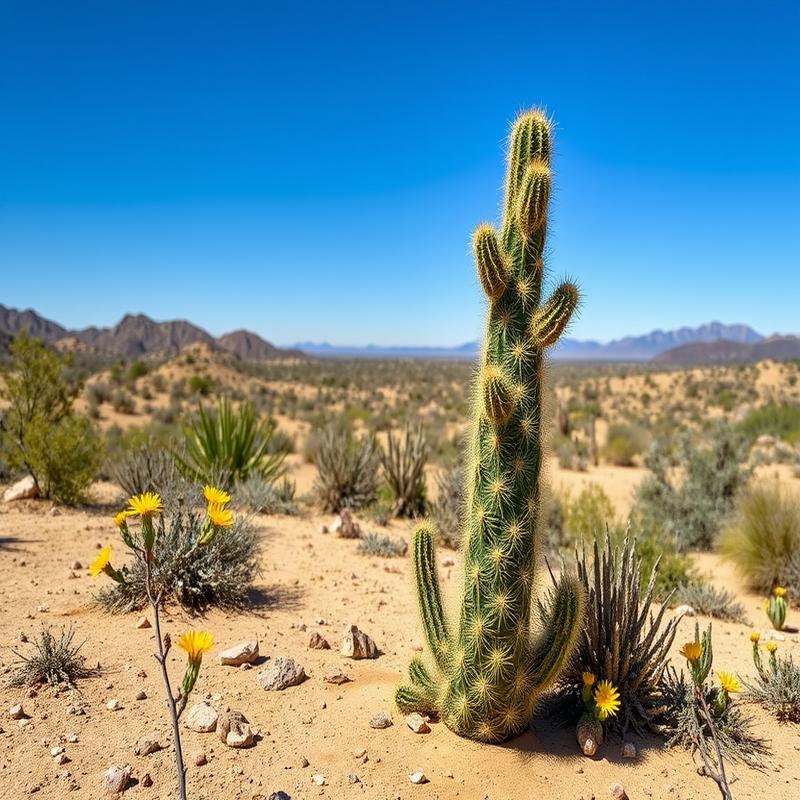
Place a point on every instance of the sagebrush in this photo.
(347, 469)
(52, 660)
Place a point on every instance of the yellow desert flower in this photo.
(729, 682)
(120, 518)
(216, 497)
(780, 591)
(691, 651)
(588, 679)
(755, 636)
(607, 698)
(220, 516)
(771, 647)
(195, 643)
(145, 505)
(101, 562)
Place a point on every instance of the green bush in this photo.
(588, 515)
(403, 463)
(623, 444)
(781, 421)
(39, 432)
(763, 538)
(692, 511)
(224, 446)
(448, 510)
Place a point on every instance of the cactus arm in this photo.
(560, 628)
(552, 318)
(410, 699)
(493, 269)
(429, 594)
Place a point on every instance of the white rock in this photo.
(319, 779)
(281, 674)
(202, 718)
(146, 745)
(21, 490)
(113, 704)
(234, 729)
(17, 712)
(381, 720)
(142, 623)
(629, 750)
(356, 644)
(242, 653)
(116, 779)
(25, 722)
(417, 777)
(56, 751)
(684, 610)
(61, 759)
(417, 723)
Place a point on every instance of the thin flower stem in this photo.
(719, 777)
(161, 657)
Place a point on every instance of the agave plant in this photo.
(403, 463)
(224, 446)
(622, 641)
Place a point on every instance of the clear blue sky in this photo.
(314, 171)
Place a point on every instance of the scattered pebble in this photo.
(242, 653)
(353, 778)
(201, 718)
(318, 642)
(417, 777)
(116, 779)
(304, 762)
(147, 781)
(234, 729)
(357, 644)
(17, 712)
(417, 723)
(281, 674)
(618, 791)
(141, 695)
(76, 565)
(145, 745)
(629, 750)
(199, 758)
(319, 779)
(143, 622)
(336, 677)
(381, 720)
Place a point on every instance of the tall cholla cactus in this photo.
(490, 671)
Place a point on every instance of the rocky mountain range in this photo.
(723, 351)
(136, 335)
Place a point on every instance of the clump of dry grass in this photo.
(53, 660)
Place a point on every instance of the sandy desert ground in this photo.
(310, 582)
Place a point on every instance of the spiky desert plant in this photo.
(347, 469)
(710, 601)
(223, 445)
(777, 685)
(448, 510)
(775, 606)
(146, 468)
(53, 660)
(403, 463)
(490, 669)
(375, 544)
(622, 640)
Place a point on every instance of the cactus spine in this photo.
(489, 670)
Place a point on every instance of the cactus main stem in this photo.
(491, 669)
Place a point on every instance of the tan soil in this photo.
(306, 576)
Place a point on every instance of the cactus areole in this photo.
(489, 667)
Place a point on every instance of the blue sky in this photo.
(314, 171)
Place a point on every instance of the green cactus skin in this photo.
(776, 611)
(490, 669)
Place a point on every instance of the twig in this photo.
(708, 769)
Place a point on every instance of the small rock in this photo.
(143, 622)
(216, 697)
(417, 777)
(234, 729)
(202, 718)
(304, 762)
(17, 712)
(381, 720)
(684, 610)
(147, 781)
(618, 791)
(146, 745)
(55, 511)
(25, 722)
(448, 562)
(242, 653)
(353, 778)
(116, 779)
(72, 738)
(318, 642)
(345, 526)
(320, 621)
(61, 759)
(319, 779)
(56, 751)
(21, 490)
(360, 752)
(417, 723)
(356, 644)
(336, 677)
(323, 528)
(76, 565)
(629, 750)
(280, 795)
(281, 674)
(141, 695)
(113, 704)
(199, 758)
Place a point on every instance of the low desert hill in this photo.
(777, 348)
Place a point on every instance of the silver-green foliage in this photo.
(347, 469)
(403, 462)
(376, 544)
(51, 660)
(710, 601)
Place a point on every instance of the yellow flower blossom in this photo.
(145, 505)
(755, 636)
(216, 497)
(780, 591)
(771, 647)
(221, 517)
(195, 643)
(588, 679)
(101, 562)
(691, 651)
(729, 682)
(120, 518)
(607, 698)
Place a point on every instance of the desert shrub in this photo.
(52, 660)
(403, 463)
(588, 515)
(693, 511)
(682, 727)
(201, 384)
(347, 469)
(39, 432)
(623, 444)
(98, 393)
(674, 567)
(448, 510)
(144, 468)
(228, 446)
(781, 421)
(268, 497)
(763, 538)
(709, 601)
(66, 456)
(551, 523)
(777, 686)
(122, 402)
(220, 573)
(136, 369)
(621, 640)
(572, 453)
(376, 544)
